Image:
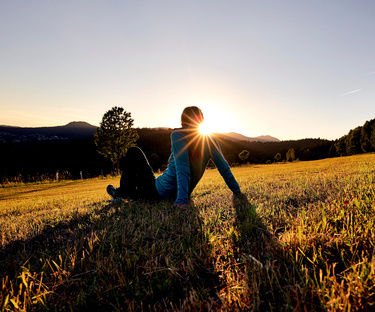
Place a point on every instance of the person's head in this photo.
(192, 117)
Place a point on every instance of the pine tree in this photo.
(340, 146)
(353, 143)
(290, 155)
(115, 135)
(244, 155)
(277, 157)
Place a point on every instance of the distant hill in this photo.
(240, 137)
(80, 125)
(81, 129)
(71, 131)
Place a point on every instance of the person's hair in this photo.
(192, 116)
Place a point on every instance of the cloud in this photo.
(351, 92)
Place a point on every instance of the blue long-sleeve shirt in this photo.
(191, 152)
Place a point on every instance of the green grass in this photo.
(302, 238)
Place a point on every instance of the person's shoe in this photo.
(112, 191)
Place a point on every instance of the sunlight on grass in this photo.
(302, 238)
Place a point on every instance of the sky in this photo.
(290, 69)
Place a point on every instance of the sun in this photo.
(216, 121)
(205, 129)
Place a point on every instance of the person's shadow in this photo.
(274, 282)
(134, 255)
(138, 255)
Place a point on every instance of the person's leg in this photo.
(137, 179)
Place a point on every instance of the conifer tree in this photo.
(290, 155)
(115, 135)
(244, 155)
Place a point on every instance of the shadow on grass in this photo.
(274, 281)
(127, 256)
(48, 242)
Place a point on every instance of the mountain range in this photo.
(81, 129)
(70, 131)
(239, 137)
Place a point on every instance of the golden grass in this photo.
(302, 238)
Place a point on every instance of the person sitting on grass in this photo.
(191, 152)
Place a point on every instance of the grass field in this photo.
(302, 238)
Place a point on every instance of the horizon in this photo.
(289, 69)
(259, 135)
(165, 127)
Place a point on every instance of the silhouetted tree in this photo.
(115, 135)
(353, 142)
(368, 136)
(332, 150)
(244, 155)
(365, 137)
(290, 155)
(372, 137)
(340, 146)
(277, 157)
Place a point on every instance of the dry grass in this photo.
(302, 238)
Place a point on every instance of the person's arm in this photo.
(181, 156)
(223, 167)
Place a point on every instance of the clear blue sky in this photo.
(291, 69)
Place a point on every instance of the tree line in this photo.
(358, 140)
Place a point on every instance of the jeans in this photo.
(137, 179)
